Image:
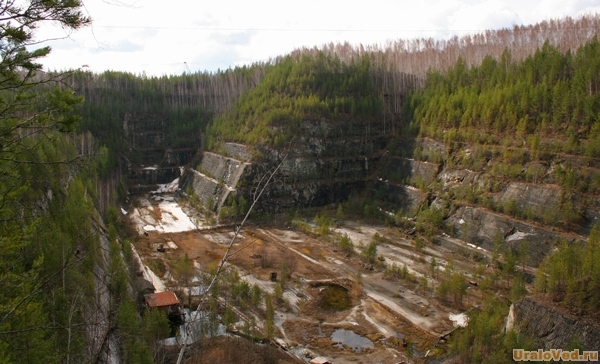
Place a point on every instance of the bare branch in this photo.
(260, 189)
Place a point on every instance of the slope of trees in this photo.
(534, 120)
(179, 106)
(549, 94)
(48, 252)
(298, 89)
(571, 275)
(47, 246)
(418, 56)
(483, 340)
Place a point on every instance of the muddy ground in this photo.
(398, 319)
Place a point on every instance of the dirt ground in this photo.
(230, 350)
(399, 319)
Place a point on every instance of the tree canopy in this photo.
(46, 197)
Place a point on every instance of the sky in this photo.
(173, 37)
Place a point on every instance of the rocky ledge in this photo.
(552, 327)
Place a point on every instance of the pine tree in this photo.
(34, 163)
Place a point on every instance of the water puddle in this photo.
(349, 339)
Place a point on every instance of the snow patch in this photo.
(150, 276)
(459, 319)
(147, 273)
(149, 228)
(168, 187)
(519, 235)
(172, 218)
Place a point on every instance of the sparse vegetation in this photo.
(346, 244)
(571, 275)
(369, 252)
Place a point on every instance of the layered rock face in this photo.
(322, 167)
(481, 209)
(484, 228)
(323, 164)
(215, 178)
(552, 328)
(155, 157)
(326, 162)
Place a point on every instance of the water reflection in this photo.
(347, 338)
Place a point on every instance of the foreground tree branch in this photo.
(262, 185)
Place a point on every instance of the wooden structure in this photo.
(168, 303)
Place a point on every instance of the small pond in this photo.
(347, 338)
(334, 298)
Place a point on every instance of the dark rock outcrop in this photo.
(324, 164)
(401, 197)
(553, 328)
(405, 169)
(155, 156)
(483, 228)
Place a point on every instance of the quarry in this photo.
(381, 316)
(419, 201)
(329, 301)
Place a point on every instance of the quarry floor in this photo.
(389, 320)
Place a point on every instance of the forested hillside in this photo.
(533, 121)
(549, 94)
(49, 243)
(299, 89)
(62, 272)
(394, 69)
(517, 125)
(178, 107)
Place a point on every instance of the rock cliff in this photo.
(155, 156)
(553, 328)
(321, 167)
(481, 227)
(215, 178)
(326, 162)
(481, 208)
(323, 164)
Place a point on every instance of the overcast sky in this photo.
(168, 37)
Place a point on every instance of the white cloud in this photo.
(490, 14)
(158, 38)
